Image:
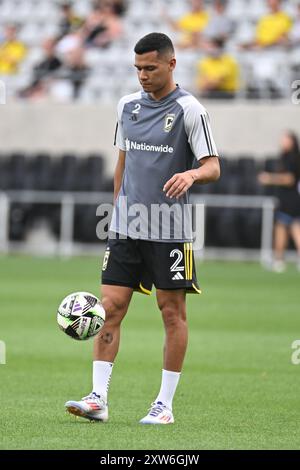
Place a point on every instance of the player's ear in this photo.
(172, 64)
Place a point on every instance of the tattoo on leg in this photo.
(107, 338)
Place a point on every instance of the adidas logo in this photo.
(177, 277)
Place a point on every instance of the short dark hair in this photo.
(154, 42)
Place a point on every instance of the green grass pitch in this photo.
(239, 388)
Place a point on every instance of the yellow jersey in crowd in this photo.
(11, 54)
(223, 68)
(272, 27)
(191, 24)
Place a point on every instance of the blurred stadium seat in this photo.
(264, 74)
(261, 71)
(225, 227)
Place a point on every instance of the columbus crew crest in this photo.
(169, 120)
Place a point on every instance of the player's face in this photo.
(154, 71)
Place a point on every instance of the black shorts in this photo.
(140, 264)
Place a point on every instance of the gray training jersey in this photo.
(160, 138)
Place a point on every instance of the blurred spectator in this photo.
(71, 41)
(287, 179)
(74, 70)
(190, 25)
(272, 29)
(218, 73)
(119, 6)
(12, 51)
(69, 20)
(43, 70)
(220, 26)
(294, 37)
(102, 26)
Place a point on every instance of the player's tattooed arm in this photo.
(179, 184)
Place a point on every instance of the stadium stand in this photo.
(106, 39)
(82, 51)
(42, 173)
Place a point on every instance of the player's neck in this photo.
(164, 91)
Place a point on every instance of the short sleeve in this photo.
(198, 128)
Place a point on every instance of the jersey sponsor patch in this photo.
(145, 147)
(169, 120)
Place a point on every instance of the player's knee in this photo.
(115, 309)
(173, 316)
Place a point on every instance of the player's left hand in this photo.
(178, 185)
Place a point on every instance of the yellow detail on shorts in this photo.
(144, 290)
(191, 261)
(185, 260)
(188, 261)
(196, 289)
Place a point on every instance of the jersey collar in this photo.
(170, 96)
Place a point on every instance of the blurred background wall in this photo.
(240, 127)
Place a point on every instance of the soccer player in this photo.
(160, 131)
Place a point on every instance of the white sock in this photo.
(168, 387)
(101, 377)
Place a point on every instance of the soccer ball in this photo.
(80, 315)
